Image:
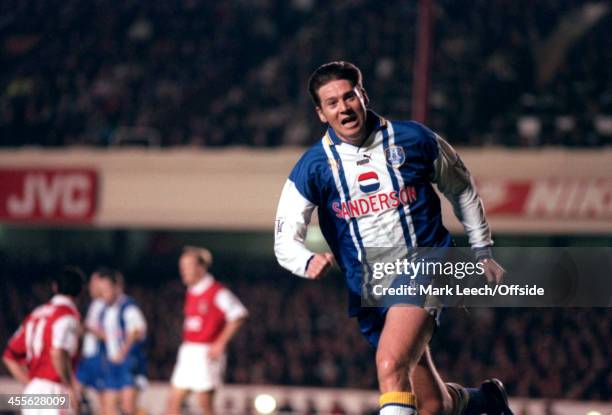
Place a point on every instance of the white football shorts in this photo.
(195, 371)
(41, 386)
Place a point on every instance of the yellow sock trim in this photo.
(400, 398)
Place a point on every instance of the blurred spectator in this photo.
(311, 408)
(285, 407)
(337, 409)
(549, 407)
(299, 330)
(200, 73)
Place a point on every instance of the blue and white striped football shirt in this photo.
(378, 194)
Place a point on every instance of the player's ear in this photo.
(366, 99)
(322, 116)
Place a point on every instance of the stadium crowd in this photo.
(299, 334)
(201, 73)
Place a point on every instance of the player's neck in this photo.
(353, 141)
(370, 124)
(66, 296)
(198, 281)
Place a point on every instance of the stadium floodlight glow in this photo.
(593, 413)
(265, 404)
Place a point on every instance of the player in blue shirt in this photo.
(371, 180)
(124, 328)
(90, 369)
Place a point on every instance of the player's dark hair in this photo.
(330, 72)
(111, 274)
(69, 281)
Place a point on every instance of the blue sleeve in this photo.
(304, 176)
(429, 143)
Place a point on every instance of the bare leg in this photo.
(402, 342)
(432, 396)
(175, 400)
(129, 398)
(95, 399)
(110, 402)
(205, 400)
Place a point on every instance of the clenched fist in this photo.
(318, 265)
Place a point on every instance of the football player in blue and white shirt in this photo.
(90, 369)
(125, 329)
(371, 180)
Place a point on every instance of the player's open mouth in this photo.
(350, 121)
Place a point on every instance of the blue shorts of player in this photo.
(372, 319)
(90, 372)
(129, 373)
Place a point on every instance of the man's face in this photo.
(190, 269)
(94, 285)
(108, 290)
(343, 107)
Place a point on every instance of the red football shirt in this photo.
(208, 308)
(51, 325)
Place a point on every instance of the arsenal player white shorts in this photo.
(44, 386)
(195, 371)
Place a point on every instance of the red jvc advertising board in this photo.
(48, 195)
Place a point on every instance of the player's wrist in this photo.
(308, 261)
(483, 253)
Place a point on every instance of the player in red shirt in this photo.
(212, 316)
(42, 353)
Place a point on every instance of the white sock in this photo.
(398, 410)
(398, 403)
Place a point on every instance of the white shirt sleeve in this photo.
(65, 334)
(455, 182)
(292, 219)
(231, 306)
(93, 313)
(134, 320)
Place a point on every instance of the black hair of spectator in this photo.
(69, 281)
(332, 71)
(115, 276)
